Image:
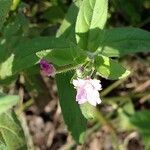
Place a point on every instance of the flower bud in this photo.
(47, 69)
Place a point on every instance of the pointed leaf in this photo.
(57, 51)
(67, 28)
(73, 117)
(6, 67)
(92, 15)
(122, 41)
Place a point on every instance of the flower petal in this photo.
(87, 90)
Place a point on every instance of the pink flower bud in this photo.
(47, 69)
(87, 91)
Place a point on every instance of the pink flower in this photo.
(87, 91)
(47, 69)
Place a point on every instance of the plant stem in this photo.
(102, 120)
(28, 137)
(111, 87)
(21, 93)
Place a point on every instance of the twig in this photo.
(21, 116)
(102, 120)
(21, 92)
(30, 144)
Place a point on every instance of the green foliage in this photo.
(73, 117)
(141, 121)
(122, 41)
(131, 9)
(11, 133)
(7, 101)
(124, 114)
(17, 27)
(71, 54)
(67, 28)
(92, 14)
(4, 9)
(72, 114)
(6, 67)
(27, 53)
(54, 14)
(109, 68)
(81, 42)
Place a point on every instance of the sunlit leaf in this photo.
(6, 67)
(11, 133)
(67, 28)
(109, 68)
(7, 101)
(92, 15)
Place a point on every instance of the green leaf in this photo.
(4, 9)
(7, 101)
(109, 68)
(141, 120)
(67, 28)
(9, 80)
(124, 114)
(122, 41)
(64, 56)
(11, 133)
(57, 51)
(71, 112)
(73, 117)
(54, 14)
(92, 15)
(16, 27)
(6, 67)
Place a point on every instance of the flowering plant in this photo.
(81, 53)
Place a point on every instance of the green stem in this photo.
(111, 87)
(115, 99)
(69, 67)
(21, 92)
(102, 120)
